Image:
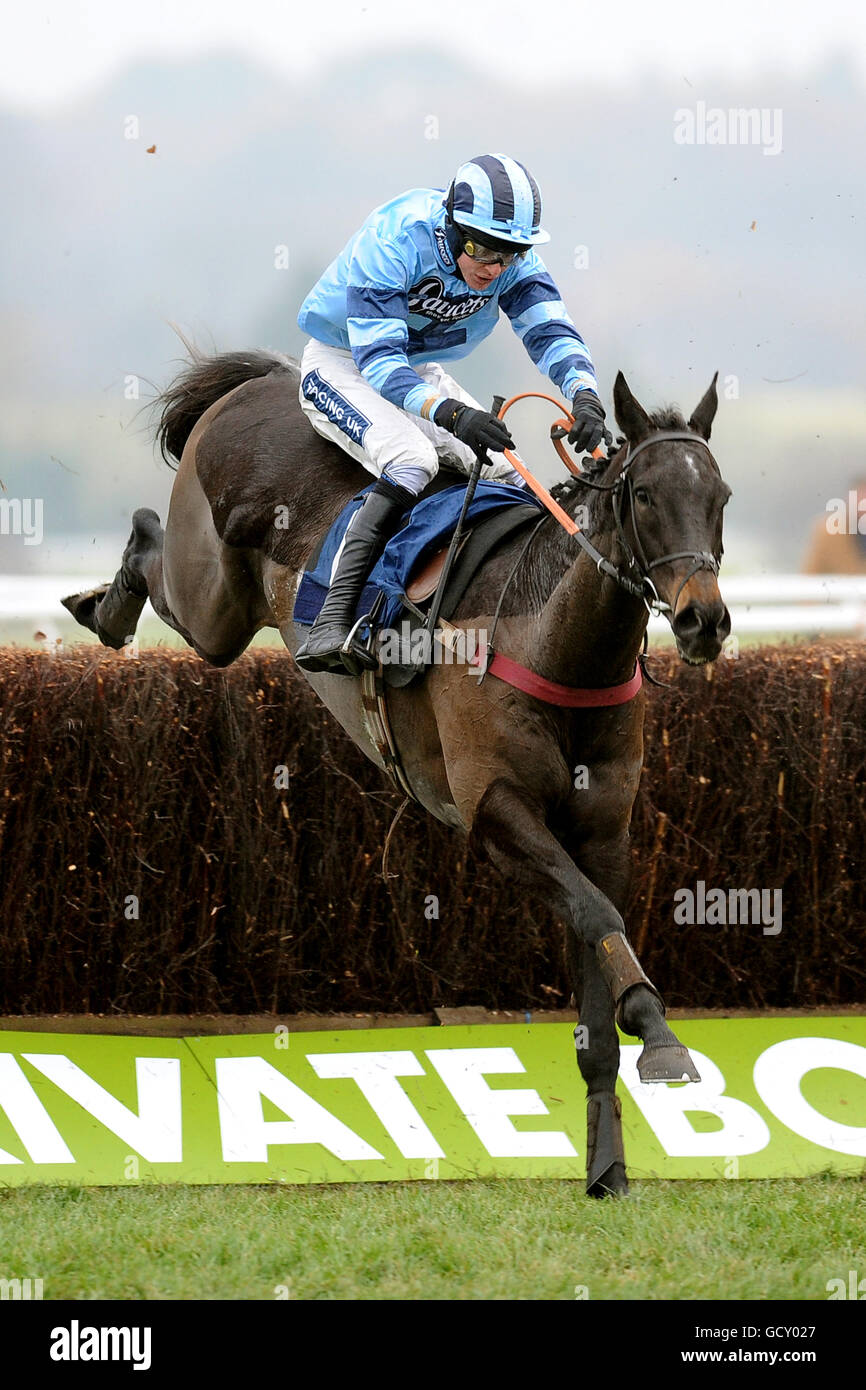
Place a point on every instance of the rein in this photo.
(374, 702)
(644, 588)
(521, 677)
(702, 559)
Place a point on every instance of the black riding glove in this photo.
(588, 429)
(477, 428)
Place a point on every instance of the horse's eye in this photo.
(641, 495)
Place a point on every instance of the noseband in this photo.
(622, 487)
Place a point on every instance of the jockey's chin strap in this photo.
(621, 488)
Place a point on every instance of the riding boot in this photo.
(369, 531)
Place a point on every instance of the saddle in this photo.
(477, 544)
(424, 579)
(390, 617)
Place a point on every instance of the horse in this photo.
(255, 492)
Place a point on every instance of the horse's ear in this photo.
(703, 417)
(630, 414)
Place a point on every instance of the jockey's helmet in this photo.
(496, 195)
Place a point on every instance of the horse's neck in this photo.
(591, 629)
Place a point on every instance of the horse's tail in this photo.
(204, 381)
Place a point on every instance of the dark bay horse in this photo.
(256, 490)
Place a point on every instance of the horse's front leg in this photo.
(606, 861)
(510, 825)
(597, 1043)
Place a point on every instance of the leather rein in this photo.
(488, 661)
(623, 485)
(622, 488)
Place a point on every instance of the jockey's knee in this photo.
(413, 469)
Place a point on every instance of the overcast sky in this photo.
(53, 50)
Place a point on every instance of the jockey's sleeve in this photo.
(542, 322)
(377, 313)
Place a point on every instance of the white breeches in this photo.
(343, 407)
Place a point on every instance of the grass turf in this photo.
(505, 1239)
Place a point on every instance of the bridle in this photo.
(622, 486)
(622, 489)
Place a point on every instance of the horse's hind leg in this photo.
(112, 611)
(196, 584)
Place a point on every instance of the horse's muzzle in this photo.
(700, 627)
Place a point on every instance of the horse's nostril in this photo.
(699, 619)
(688, 623)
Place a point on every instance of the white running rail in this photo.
(805, 604)
(760, 603)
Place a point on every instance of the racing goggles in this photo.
(491, 252)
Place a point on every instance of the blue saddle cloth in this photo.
(430, 524)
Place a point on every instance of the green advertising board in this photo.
(778, 1097)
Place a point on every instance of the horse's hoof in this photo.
(669, 1063)
(83, 606)
(124, 610)
(605, 1157)
(612, 1183)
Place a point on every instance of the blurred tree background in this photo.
(674, 260)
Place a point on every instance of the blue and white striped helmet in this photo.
(496, 194)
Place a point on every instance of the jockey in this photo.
(423, 281)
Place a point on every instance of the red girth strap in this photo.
(569, 696)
